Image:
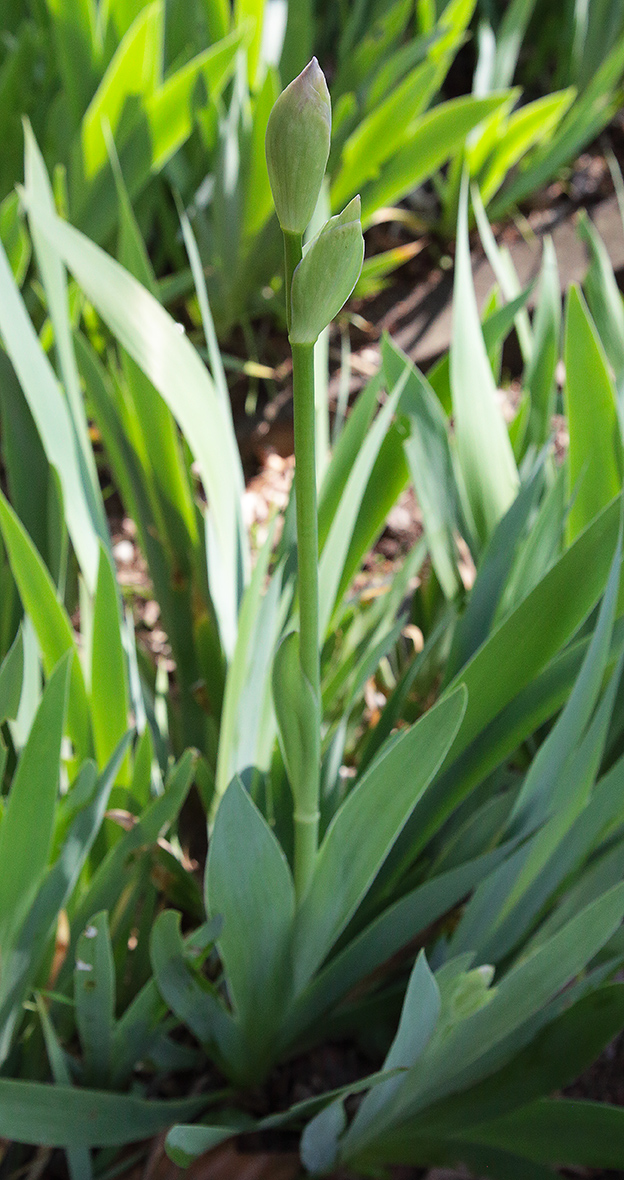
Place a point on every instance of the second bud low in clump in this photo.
(297, 150)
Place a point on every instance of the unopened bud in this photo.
(326, 275)
(297, 147)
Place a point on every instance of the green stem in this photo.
(307, 805)
(307, 524)
(306, 818)
(292, 258)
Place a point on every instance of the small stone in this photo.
(123, 551)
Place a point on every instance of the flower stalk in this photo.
(306, 814)
(293, 250)
(318, 281)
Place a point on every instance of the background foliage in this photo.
(463, 924)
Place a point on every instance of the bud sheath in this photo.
(326, 275)
(297, 147)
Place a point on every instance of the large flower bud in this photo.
(297, 147)
(326, 275)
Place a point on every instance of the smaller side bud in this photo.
(297, 147)
(326, 275)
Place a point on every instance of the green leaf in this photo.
(518, 428)
(258, 199)
(109, 690)
(131, 77)
(20, 969)
(594, 458)
(154, 423)
(539, 549)
(506, 906)
(555, 1058)
(431, 466)
(585, 1134)
(151, 134)
(476, 622)
(199, 278)
(539, 627)
(382, 133)
(342, 531)
(173, 593)
(376, 269)
(73, 27)
(547, 766)
(244, 723)
(604, 298)
(11, 673)
(501, 261)
(136, 1033)
(112, 873)
(540, 374)
(54, 281)
(298, 39)
(479, 425)
(588, 115)
(251, 12)
(345, 453)
(249, 884)
(141, 783)
(584, 845)
(509, 37)
(436, 137)
(152, 338)
(28, 821)
(521, 717)
(64, 1116)
(185, 1144)
(496, 327)
(293, 698)
(523, 992)
(30, 481)
(531, 982)
(94, 996)
(404, 1146)
(189, 996)
(385, 936)
(170, 111)
(366, 826)
(319, 1143)
(14, 236)
(49, 618)
(131, 249)
(78, 1158)
(364, 43)
(532, 123)
(48, 408)
(419, 1017)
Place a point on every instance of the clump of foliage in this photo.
(174, 98)
(451, 876)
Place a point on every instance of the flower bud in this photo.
(326, 275)
(297, 147)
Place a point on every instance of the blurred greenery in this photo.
(462, 926)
